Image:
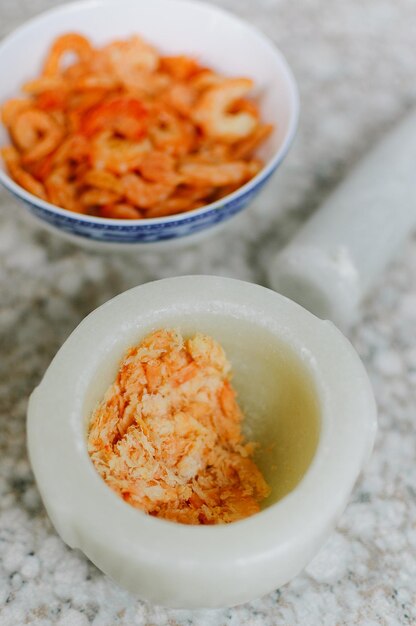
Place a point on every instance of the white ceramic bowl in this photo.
(308, 403)
(218, 39)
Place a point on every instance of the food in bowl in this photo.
(124, 132)
(167, 435)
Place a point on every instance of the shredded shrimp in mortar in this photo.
(167, 435)
(124, 132)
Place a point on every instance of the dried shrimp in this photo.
(125, 132)
(167, 435)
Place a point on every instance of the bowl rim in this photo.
(291, 529)
(261, 176)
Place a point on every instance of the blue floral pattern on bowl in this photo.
(145, 231)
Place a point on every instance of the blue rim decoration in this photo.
(145, 231)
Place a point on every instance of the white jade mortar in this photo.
(290, 367)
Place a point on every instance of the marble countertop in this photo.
(355, 63)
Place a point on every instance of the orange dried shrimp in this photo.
(123, 132)
(167, 435)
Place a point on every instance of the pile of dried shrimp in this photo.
(167, 436)
(123, 132)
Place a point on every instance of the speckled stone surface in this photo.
(355, 62)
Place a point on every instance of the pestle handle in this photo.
(337, 255)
